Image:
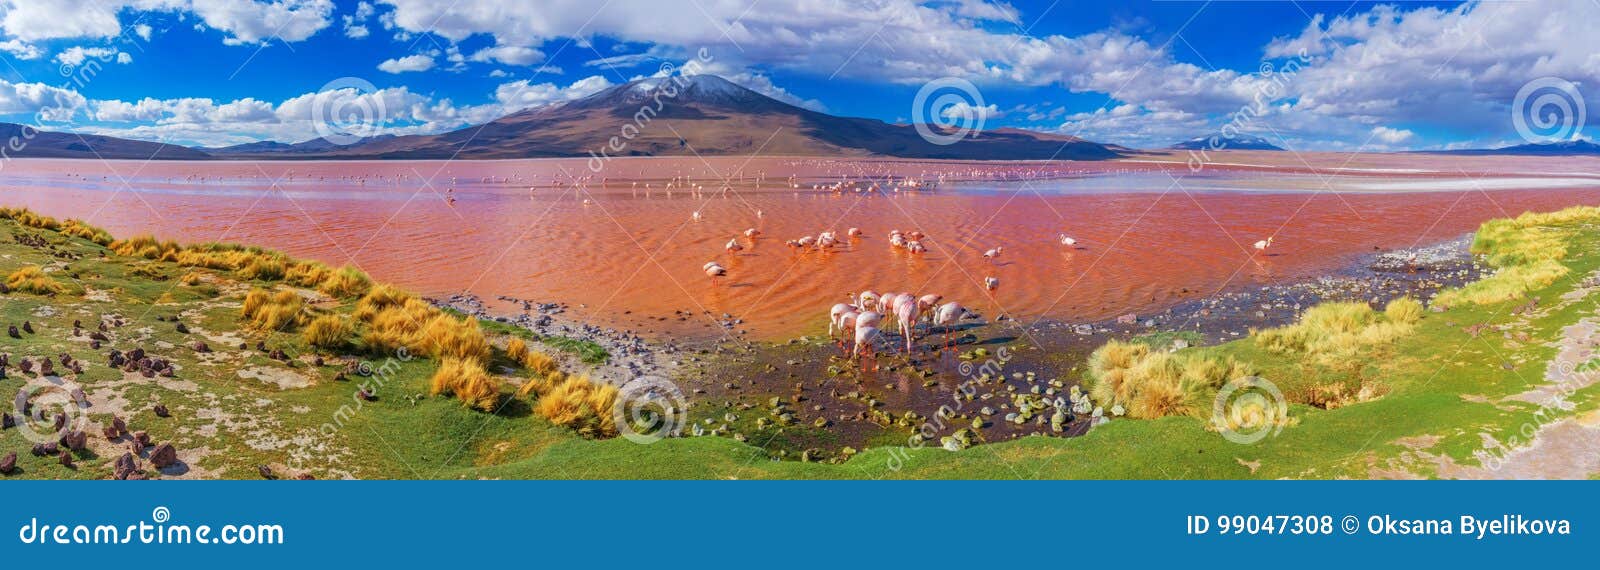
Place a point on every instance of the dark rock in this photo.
(110, 432)
(201, 346)
(261, 346)
(162, 412)
(142, 437)
(65, 458)
(182, 329)
(47, 367)
(163, 456)
(27, 327)
(365, 395)
(7, 422)
(124, 466)
(75, 440)
(119, 425)
(99, 336)
(265, 471)
(304, 477)
(12, 332)
(8, 463)
(318, 361)
(278, 354)
(26, 365)
(45, 449)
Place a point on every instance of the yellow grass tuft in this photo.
(1154, 384)
(1340, 333)
(33, 279)
(467, 381)
(345, 282)
(328, 331)
(378, 298)
(580, 404)
(1526, 252)
(273, 311)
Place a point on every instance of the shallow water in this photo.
(623, 251)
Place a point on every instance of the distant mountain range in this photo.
(1236, 142)
(24, 141)
(700, 115)
(1563, 148)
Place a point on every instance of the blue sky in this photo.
(1364, 75)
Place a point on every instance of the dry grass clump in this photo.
(1152, 384)
(578, 403)
(1331, 333)
(415, 325)
(345, 282)
(27, 218)
(540, 363)
(267, 310)
(81, 230)
(328, 331)
(378, 298)
(1525, 250)
(467, 381)
(190, 279)
(1334, 395)
(33, 279)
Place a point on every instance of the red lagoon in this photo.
(622, 248)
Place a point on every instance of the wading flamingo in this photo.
(1264, 244)
(866, 340)
(1067, 241)
(853, 232)
(991, 283)
(993, 253)
(834, 313)
(906, 313)
(733, 245)
(946, 317)
(752, 233)
(714, 270)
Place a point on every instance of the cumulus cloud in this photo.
(1391, 136)
(242, 21)
(415, 62)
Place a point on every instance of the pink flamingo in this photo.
(1264, 244)
(733, 246)
(991, 283)
(907, 313)
(853, 232)
(866, 340)
(946, 317)
(834, 313)
(714, 270)
(752, 233)
(993, 253)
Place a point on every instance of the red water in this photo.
(630, 255)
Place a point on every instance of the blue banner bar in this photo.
(796, 524)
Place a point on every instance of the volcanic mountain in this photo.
(26, 142)
(1235, 142)
(1577, 147)
(705, 115)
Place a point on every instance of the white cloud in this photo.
(20, 49)
(76, 55)
(509, 55)
(967, 112)
(44, 102)
(1390, 136)
(414, 62)
(242, 21)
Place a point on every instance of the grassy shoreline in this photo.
(1367, 399)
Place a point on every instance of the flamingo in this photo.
(866, 337)
(897, 240)
(906, 312)
(733, 245)
(1068, 241)
(915, 247)
(928, 302)
(993, 253)
(853, 232)
(867, 300)
(946, 316)
(991, 283)
(752, 233)
(714, 270)
(1264, 244)
(838, 310)
(868, 319)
